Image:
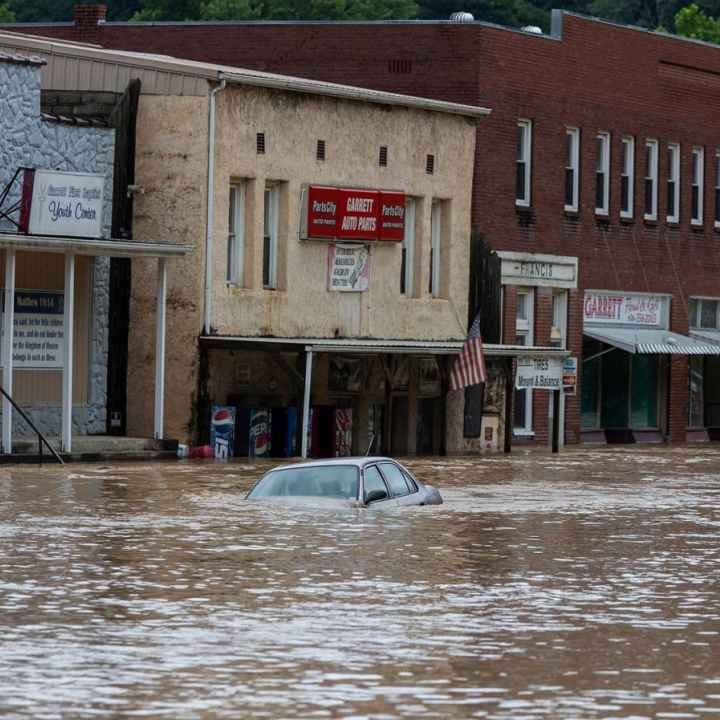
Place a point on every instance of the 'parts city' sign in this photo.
(539, 373)
(62, 203)
(348, 214)
(605, 308)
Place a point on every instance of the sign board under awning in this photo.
(353, 214)
(538, 269)
(63, 204)
(539, 373)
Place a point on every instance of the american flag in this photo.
(469, 366)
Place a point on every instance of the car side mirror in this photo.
(375, 495)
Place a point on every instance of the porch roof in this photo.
(646, 341)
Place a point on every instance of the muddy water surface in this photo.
(584, 586)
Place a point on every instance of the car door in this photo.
(402, 491)
(374, 480)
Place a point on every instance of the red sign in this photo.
(347, 214)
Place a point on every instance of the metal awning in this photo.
(651, 341)
(712, 336)
(97, 248)
(368, 346)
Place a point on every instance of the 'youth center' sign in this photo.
(62, 203)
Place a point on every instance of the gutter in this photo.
(209, 230)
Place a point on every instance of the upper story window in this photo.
(698, 185)
(627, 177)
(673, 183)
(435, 247)
(558, 330)
(236, 235)
(704, 313)
(523, 163)
(407, 265)
(271, 219)
(717, 188)
(651, 178)
(572, 169)
(602, 174)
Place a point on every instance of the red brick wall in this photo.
(595, 76)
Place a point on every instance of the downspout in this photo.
(209, 234)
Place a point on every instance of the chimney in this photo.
(87, 19)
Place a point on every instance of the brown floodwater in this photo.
(585, 585)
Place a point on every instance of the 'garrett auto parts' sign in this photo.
(350, 214)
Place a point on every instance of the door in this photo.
(615, 386)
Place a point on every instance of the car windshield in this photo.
(336, 481)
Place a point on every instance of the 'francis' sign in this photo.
(62, 204)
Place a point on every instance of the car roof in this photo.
(358, 462)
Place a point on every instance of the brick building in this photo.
(597, 179)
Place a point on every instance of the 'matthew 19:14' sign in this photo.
(352, 214)
(62, 203)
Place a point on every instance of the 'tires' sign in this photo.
(348, 214)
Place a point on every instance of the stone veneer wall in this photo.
(26, 140)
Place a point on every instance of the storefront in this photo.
(704, 371)
(627, 350)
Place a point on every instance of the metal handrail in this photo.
(41, 438)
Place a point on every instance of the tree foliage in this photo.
(6, 14)
(692, 22)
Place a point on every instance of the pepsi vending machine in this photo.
(222, 431)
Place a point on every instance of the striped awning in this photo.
(646, 341)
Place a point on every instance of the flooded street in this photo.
(581, 586)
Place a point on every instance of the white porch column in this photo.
(160, 349)
(306, 402)
(69, 317)
(7, 346)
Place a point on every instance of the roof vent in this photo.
(534, 29)
(462, 17)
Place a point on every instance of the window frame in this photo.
(236, 234)
(407, 259)
(573, 134)
(627, 156)
(561, 297)
(526, 328)
(698, 151)
(603, 168)
(673, 175)
(651, 166)
(435, 247)
(375, 467)
(525, 126)
(271, 219)
(380, 467)
(696, 322)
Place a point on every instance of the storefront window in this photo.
(524, 312)
(708, 314)
(590, 396)
(695, 392)
(615, 378)
(643, 391)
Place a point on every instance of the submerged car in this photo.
(376, 481)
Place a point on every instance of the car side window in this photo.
(410, 481)
(395, 478)
(373, 481)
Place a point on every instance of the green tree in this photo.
(42, 10)
(692, 22)
(6, 14)
(168, 10)
(229, 10)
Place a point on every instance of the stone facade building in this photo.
(28, 139)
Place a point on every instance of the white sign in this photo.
(621, 308)
(539, 373)
(348, 268)
(518, 268)
(67, 204)
(39, 330)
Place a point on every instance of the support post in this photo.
(69, 317)
(508, 405)
(7, 346)
(556, 421)
(160, 349)
(306, 402)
